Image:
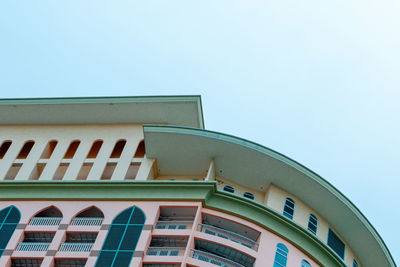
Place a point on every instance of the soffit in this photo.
(174, 110)
(184, 151)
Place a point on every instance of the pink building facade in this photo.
(138, 181)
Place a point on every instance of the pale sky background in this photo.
(318, 81)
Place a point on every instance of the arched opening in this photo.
(24, 152)
(4, 148)
(48, 216)
(70, 153)
(122, 238)
(89, 217)
(141, 150)
(49, 149)
(118, 148)
(94, 150)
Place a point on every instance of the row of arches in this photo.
(54, 212)
(71, 150)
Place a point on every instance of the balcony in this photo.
(220, 255)
(176, 218)
(32, 246)
(75, 247)
(45, 221)
(167, 246)
(212, 230)
(87, 221)
(213, 259)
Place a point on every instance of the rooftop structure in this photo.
(138, 181)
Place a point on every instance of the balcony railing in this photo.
(31, 246)
(214, 259)
(177, 225)
(212, 230)
(87, 221)
(45, 221)
(165, 251)
(74, 247)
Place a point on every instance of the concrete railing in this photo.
(214, 259)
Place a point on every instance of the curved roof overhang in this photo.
(188, 151)
(175, 110)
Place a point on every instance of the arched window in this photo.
(312, 224)
(229, 189)
(48, 216)
(4, 148)
(248, 195)
(288, 210)
(73, 147)
(94, 150)
(305, 263)
(122, 238)
(118, 148)
(24, 152)
(9, 219)
(141, 150)
(355, 264)
(281, 255)
(89, 217)
(49, 149)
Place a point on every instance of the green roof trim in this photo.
(39, 102)
(175, 191)
(288, 161)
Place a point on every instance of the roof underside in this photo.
(184, 151)
(173, 110)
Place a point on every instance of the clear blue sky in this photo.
(317, 80)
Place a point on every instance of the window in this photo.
(355, 264)
(335, 243)
(312, 224)
(229, 189)
(248, 195)
(288, 210)
(141, 150)
(9, 219)
(4, 148)
(69, 263)
(118, 148)
(73, 147)
(305, 263)
(281, 255)
(94, 150)
(24, 152)
(121, 240)
(26, 262)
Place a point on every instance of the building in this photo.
(138, 181)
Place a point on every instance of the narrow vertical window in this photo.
(305, 263)
(24, 152)
(118, 148)
(73, 147)
(281, 255)
(335, 243)
(288, 210)
(122, 238)
(9, 219)
(312, 224)
(4, 148)
(141, 150)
